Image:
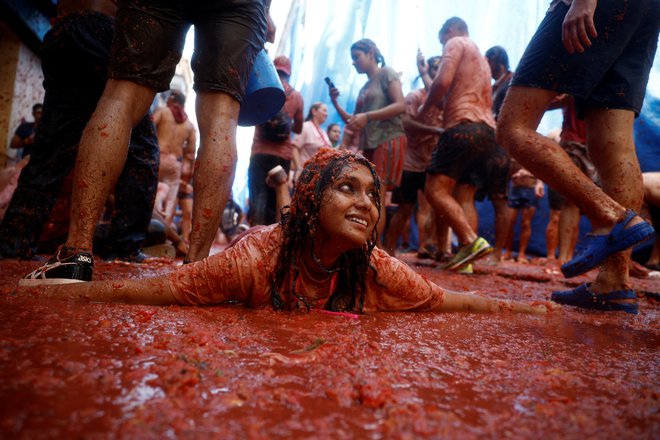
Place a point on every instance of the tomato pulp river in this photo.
(72, 370)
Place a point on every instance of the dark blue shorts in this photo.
(612, 73)
(150, 36)
(469, 154)
(522, 197)
(411, 182)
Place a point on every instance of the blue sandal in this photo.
(582, 297)
(594, 249)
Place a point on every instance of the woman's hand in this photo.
(358, 122)
(579, 25)
(334, 93)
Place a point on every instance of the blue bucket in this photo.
(264, 94)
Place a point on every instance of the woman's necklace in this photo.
(318, 130)
(321, 266)
(311, 277)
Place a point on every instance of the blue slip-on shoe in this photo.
(582, 297)
(594, 249)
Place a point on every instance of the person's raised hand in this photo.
(334, 93)
(579, 25)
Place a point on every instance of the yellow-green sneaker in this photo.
(468, 253)
(466, 269)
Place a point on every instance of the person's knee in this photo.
(504, 133)
(133, 97)
(219, 109)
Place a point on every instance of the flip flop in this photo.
(582, 297)
(594, 249)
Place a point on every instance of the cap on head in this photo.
(282, 64)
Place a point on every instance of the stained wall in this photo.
(20, 87)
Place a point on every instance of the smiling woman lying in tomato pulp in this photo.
(322, 255)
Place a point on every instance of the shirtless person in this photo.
(177, 138)
(462, 89)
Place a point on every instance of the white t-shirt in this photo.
(310, 140)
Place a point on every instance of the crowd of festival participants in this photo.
(330, 205)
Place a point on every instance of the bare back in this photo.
(470, 95)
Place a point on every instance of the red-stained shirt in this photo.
(420, 145)
(243, 273)
(470, 97)
(261, 145)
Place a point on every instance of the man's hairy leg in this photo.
(217, 116)
(102, 155)
(612, 149)
(516, 129)
(438, 192)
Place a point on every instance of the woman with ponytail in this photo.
(378, 114)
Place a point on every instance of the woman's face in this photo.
(361, 60)
(348, 213)
(320, 114)
(334, 133)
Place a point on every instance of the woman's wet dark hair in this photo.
(299, 229)
(366, 45)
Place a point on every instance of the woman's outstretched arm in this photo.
(470, 302)
(397, 287)
(152, 291)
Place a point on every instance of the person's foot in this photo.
(129, 256)
(466, 269)
(637, 270)
(426, 252)
(594, 249)
(469, 253)
(137, 256)
(442, 257)
(493, 259)
(276, 177)
(67, 266)
(585, 296)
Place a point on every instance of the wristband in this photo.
(367, 115)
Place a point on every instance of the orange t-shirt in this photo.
(470, 96)
(243, 273)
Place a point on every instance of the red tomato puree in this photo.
(72, 370)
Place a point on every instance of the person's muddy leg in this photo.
(217, 116)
